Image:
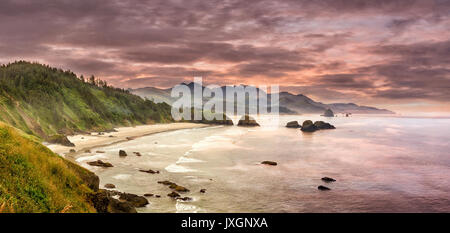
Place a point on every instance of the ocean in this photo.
(380, 163)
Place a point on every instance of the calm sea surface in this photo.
(381, 164)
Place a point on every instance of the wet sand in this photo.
(85, 142)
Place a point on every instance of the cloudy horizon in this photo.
(391, 54)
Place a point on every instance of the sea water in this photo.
(381, 164)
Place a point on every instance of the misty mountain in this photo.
(289, 103)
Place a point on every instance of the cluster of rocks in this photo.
(177, 189)
(309, 126)
(326, 180)
(109, 201)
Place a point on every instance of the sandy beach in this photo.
(89, 141)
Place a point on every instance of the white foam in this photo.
(187, 208)
(178, 169)
(188, 160)
(93, 157)
(122, 176)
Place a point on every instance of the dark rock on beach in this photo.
(60, 139)
(308, 126)
(110, 186)
(99, 151)
(135, 200)
(323, 188)
(148, 195)
(99, 163)
(184, 198)
(72, 151)
(173, 195)
(328, 179)
(174, 186)
(137, 153)
(247, 121)
(203, 190)
(104, 203)
(178, 188)
(272, 163)
(122, 153)
(323, 125)
(293, 124)
(165, 182)
(150, 171)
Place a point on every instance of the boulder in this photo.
(323, 125)
(293, 124)
(137, 153)
(184, 198)
(150, 171)
(135, 200)
(110, 186)
(247, 121)
(148, 195)
(99, 163)
(157, 196)
(87, 151)
(328, 113)
(72, 151)
(122, 153)
(103, 202)
(308, 126)
(178, 188)
(60, 139)
(328, 179)
(99, 151)
(203, 190)
(173, 195)
(165, 182)
(271, 163)
(323, 188)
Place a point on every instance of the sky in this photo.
(393, 54)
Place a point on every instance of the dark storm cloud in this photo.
(300, 42)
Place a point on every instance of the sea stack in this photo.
(308, 126)
(293, 124)
(323, 125)
(247, 121)
(328, 113)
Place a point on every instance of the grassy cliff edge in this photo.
(34, 179)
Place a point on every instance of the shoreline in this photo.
(91, 141)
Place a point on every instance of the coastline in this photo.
(91, 141)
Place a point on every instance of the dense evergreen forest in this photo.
(45, 101)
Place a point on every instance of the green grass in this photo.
(34, 179)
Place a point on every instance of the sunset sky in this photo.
(389, 54)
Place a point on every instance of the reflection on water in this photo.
(381, 164)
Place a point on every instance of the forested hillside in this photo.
(45, 101)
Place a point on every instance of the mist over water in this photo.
(381, 164)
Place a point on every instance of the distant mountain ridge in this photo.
(289, 103)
